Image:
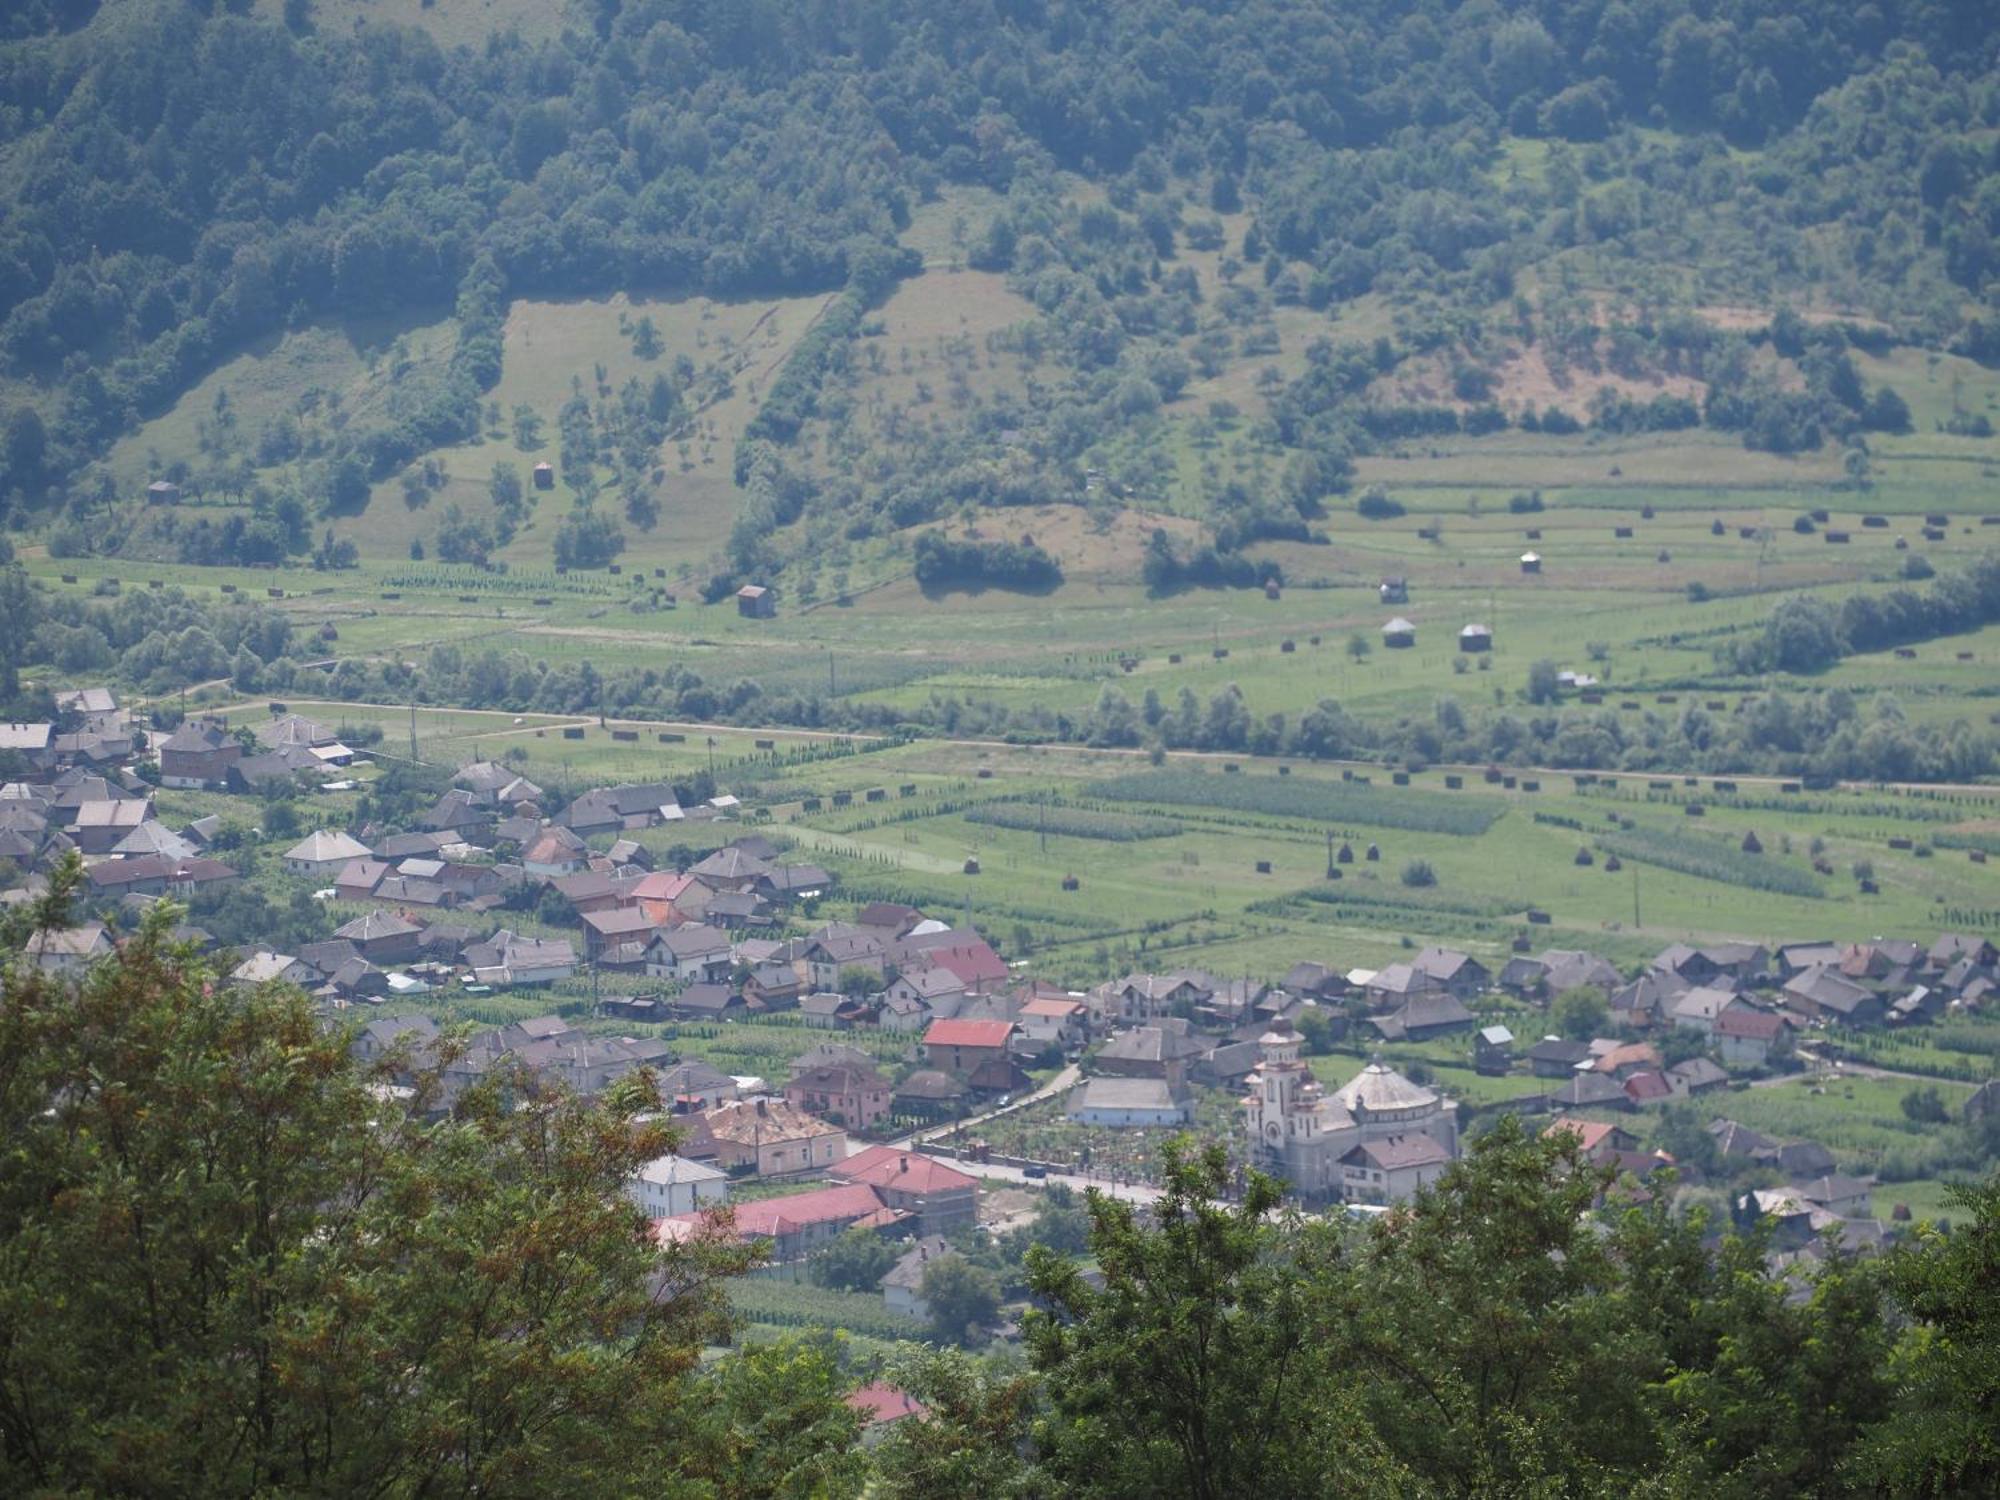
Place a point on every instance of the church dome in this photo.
(1380, 1089)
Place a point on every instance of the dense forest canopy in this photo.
(184, 177)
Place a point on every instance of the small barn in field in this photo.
(1531, 562)
(1476, 638)
(1399, 632)
(755, 602)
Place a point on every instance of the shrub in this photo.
(1375, 504)
(1418, 874)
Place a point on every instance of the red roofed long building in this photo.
(939, 1195)
(961, 1046)
(795, 1225)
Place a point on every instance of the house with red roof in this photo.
(939, 1196)
(974, 964)
(957, 1046)
(795, 1225)
(880, 1407)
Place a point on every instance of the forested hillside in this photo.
(184, 180)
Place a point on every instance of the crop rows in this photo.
(788, 1304)
(1710, 859)
(1338, 803)
(1074, 822)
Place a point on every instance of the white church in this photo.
(1375, 1141)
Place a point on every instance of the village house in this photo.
(795, 1225)
(1053, 1022)
(273, 968)
(1492, 1051)
(928, 1095)
(552, 852)
(1160, 1052)
(324, 853)
(938, 992)
(698, 953)
(670, 1185)
(842, 1093)
(382, 937)
(939, 1197)
(1823, 993)
(1120, 1103)
(703, 1001)
(967, 956)
(34, 743)
(1392, 1169)
(156, 875)
(903, 1284)
(1589, 1090)
(68, 950)
(774, 987)
(1699, 1008)
(1425, 1014)
(957, 1046)
(613, 927)
(1557, 1057)
(825, 959)
(768, 1137)
(198, 756)
(512, 959)
(1746, 1038)
(101, 824)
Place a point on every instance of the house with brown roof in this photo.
(957, 1046)
(774, 1138)
(843, 1094)
(1746, 1038)
(1391, 1169)
(102, 824)
(382, 937)
(1823, 993)
(1157, 1052)
(198, 755)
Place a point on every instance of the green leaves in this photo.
(227, 1266)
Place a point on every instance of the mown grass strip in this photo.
(1317, 801)
(1708, 858)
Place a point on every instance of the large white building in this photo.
(1300, 1132)
(669, 1185)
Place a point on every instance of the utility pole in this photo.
(1329, 854)
(413, 731)
(1635, 894)
(830, 689)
